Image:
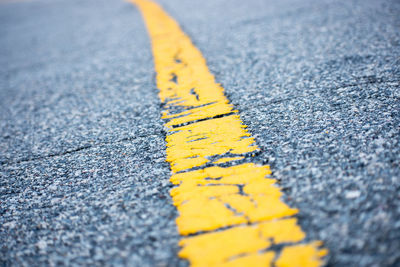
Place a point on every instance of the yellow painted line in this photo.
(234, 215)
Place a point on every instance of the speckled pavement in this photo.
(83, 177)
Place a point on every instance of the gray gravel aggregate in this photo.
(83, 177)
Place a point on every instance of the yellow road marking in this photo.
(235, 213)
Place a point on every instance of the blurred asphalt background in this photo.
(82, 173)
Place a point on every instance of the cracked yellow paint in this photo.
(235, 214)
(197, 114)
(216, 248)
(193, 145)
(227, 159)
(302, 255)
(253, 260)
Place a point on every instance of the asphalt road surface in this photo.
(83, 177)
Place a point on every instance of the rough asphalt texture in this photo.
(83, 178)
(83, 175)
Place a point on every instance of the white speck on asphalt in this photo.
(352, 194)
